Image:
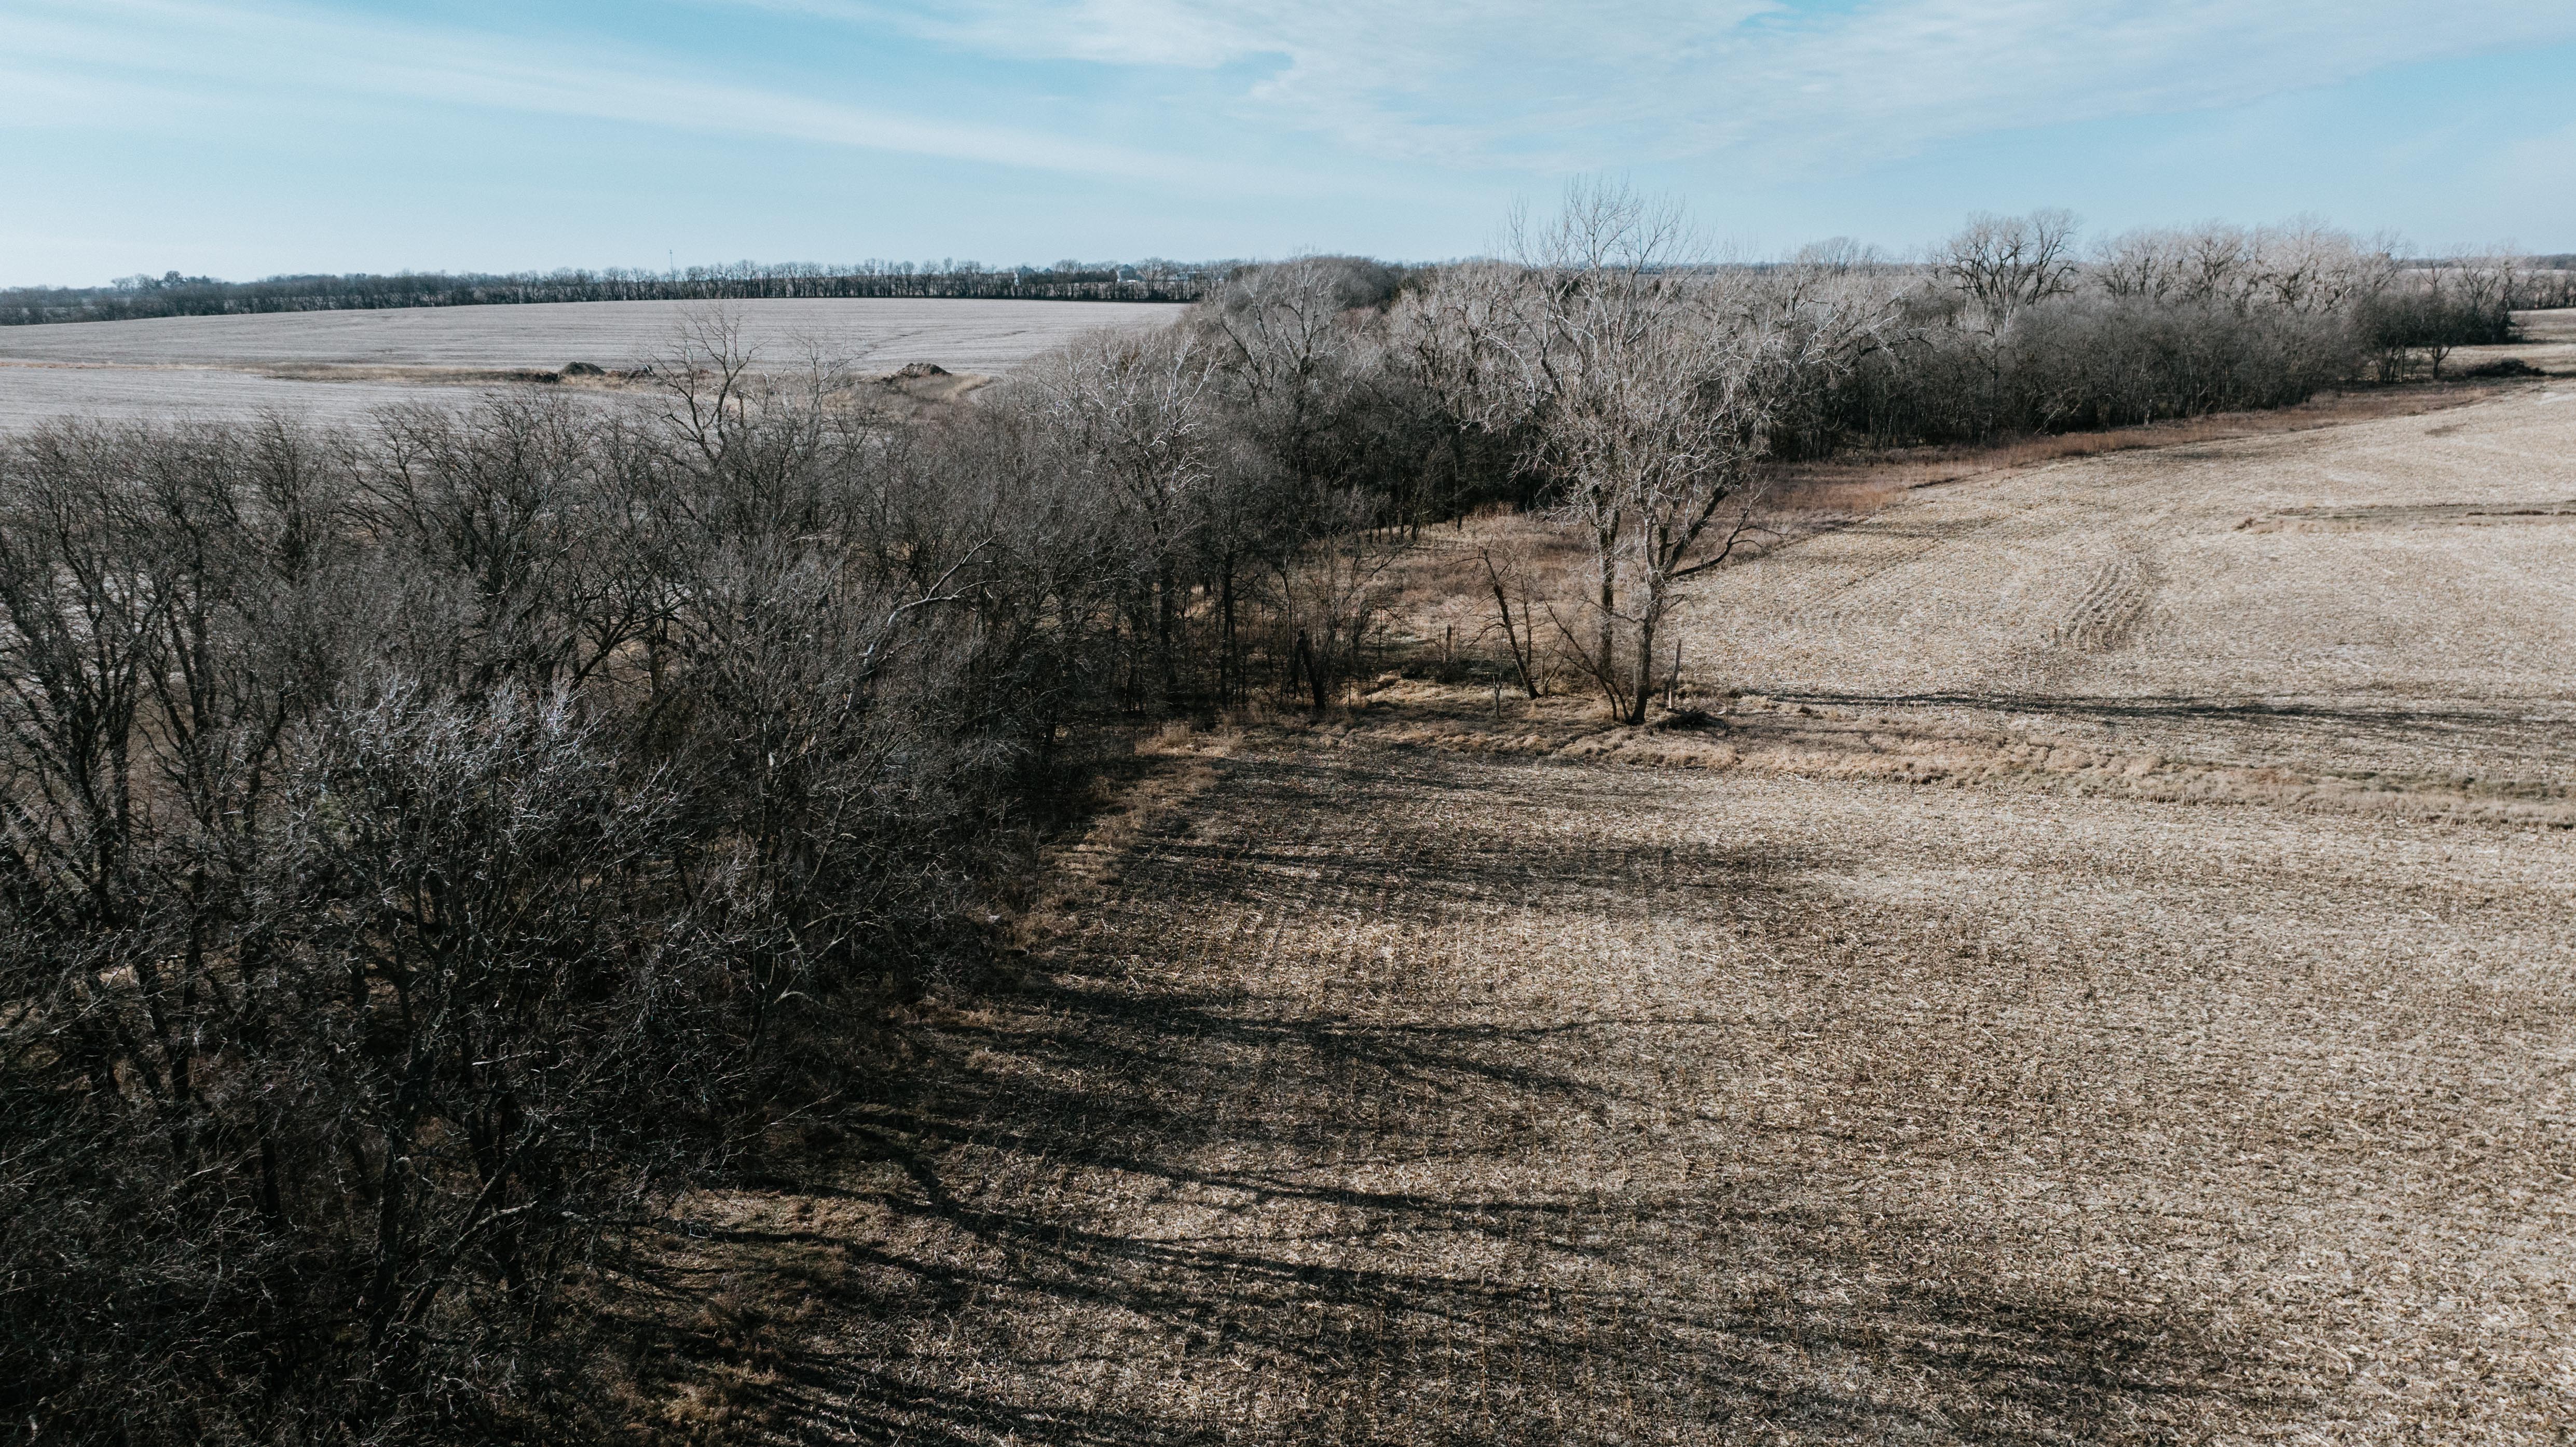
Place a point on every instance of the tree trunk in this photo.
(1229, 683)
(1164, 610)
(1642, 685)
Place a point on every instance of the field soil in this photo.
(343, 365)
(2107, 975)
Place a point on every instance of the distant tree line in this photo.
(427, 847)
(173, 295)
(2538, 282)
(2015, 325)
(2550, 284)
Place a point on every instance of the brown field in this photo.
(2113, 979)
(343, 365)
(2386, 607)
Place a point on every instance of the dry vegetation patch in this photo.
(1412, 1097)
(1761, 735)
(1866, 482)
(2150, 603)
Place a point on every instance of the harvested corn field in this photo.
(341, 365)
(1427, 1078)
(1396, 1096)
(2385, 606)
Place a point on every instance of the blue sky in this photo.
(242, 139)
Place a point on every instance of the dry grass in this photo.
(2151, 604)
(2093, 970)
(1757, 735)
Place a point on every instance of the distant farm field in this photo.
(31, 393)
(345, 364)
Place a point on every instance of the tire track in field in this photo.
(2113, 600)
(2008, 563)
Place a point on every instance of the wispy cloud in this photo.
(1552, 84)
(179, 49)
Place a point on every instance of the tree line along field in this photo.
(238, 365)
(1579, 847)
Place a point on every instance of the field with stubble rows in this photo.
(339, 366)
(2104, 975)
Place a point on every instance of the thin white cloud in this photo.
(1554, 84)
(182, 49)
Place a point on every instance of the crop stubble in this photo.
(340, 366)
(1399, 1096)
(1385, 1093)
(2389, 601)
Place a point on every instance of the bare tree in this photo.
(1134, 416)
(1516, 607)
(1651, 385)
(2004, 264)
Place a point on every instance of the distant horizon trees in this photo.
(2001, 264)
(141, 296)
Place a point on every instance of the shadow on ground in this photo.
(1273, 1151)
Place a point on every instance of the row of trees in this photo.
(2019, 328)
(427, 846)
(172, 294)
(2300, 266)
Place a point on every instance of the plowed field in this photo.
(1852, 1069)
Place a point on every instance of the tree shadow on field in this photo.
(1172, 1193)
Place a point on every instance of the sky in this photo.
(239, 139)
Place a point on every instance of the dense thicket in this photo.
(426, 846)
(2018, 330)
(415, 841)
(174, 295)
